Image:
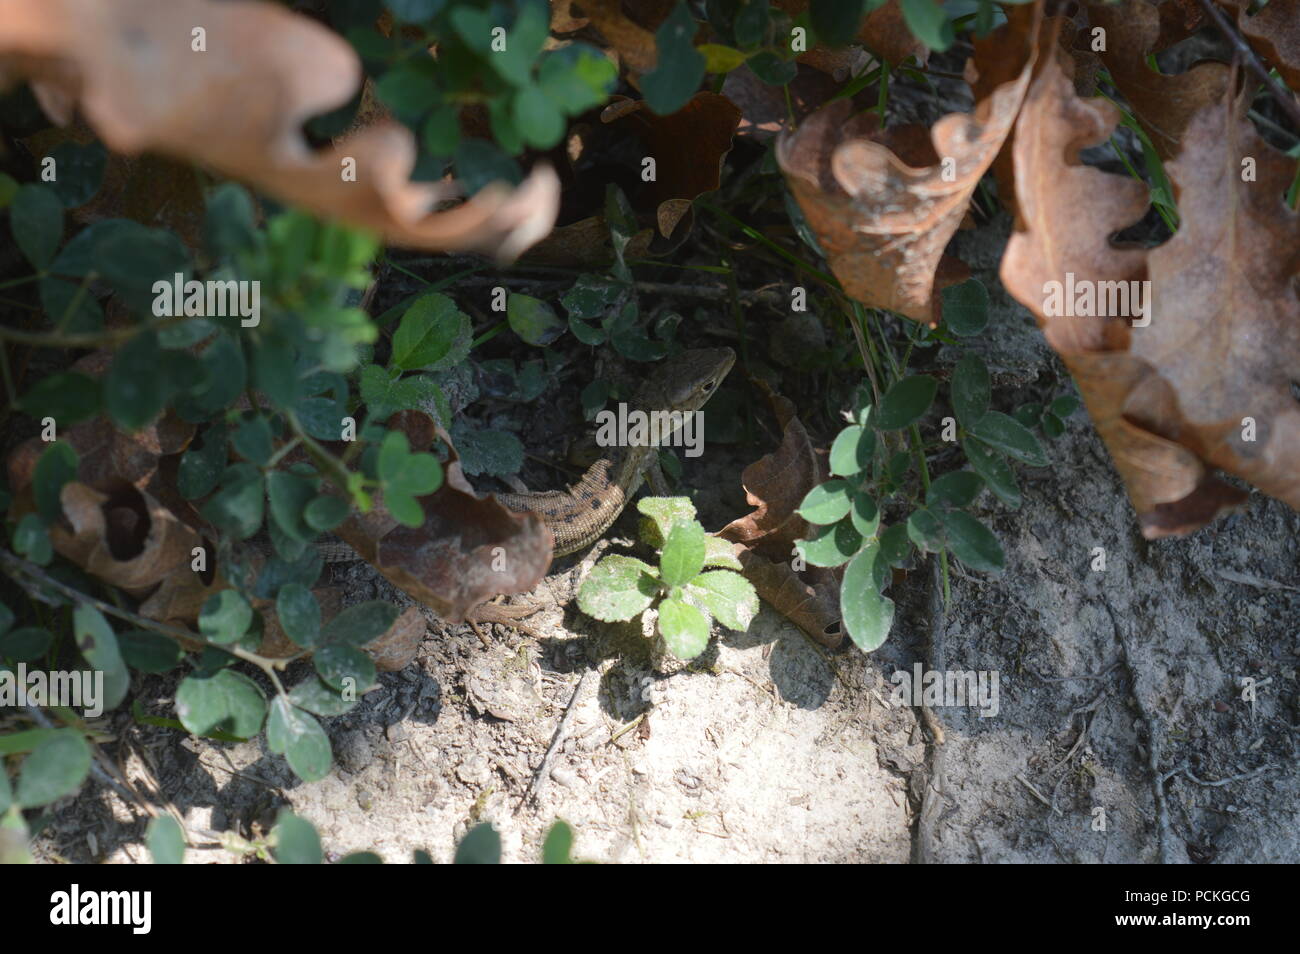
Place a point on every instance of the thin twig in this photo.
(266, 664)
(1247, 55)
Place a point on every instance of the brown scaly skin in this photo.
(579, 515)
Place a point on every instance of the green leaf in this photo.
(32, 540)
(166, 840)
(852, 451)
(326, 512)
(727, 596)
(72, 308)
(253, 440)
(832, 545)
(557, 849)
(749, 24)
(57, 466)
(771, 69)
(55, 768)
(408, 11)
(140, 258)
(868, 615)
(6, 792)
(225, 700)
(719, 58)
(433, 334)
(300, 739)
(345, 668)
(523, 42)
(664, 513)
(1053, 426)
(79, 171)
(865, 515)
(618, 588)
(718, 552)
(289, 495)
(296, 839)
(149, 652)
(576, 77)
(479, 162)
(98, 644)
(25, 644)
(230, 221)
(997, 473)
(316, 696)
(225, 617)
(360, 624)
(484, 451)
(924, 530)
(827, 503)
(134, 391)
(836, 22)
(538, 118)
(66, 396)
(684, 628)
(238, 506)
(8, 189)
(683, 554)
(928, 23)
(972, 542)
(966, 307)
(36, 219)
(480, 846)
(1012, 438)
(906, 402)
(201, 466)
(679, 69)
(895, 546)
(226, 374)
(1064, 406)
(970, 390)
(299, 614)
(442, 131)
(1028, 414)
(957, 489)
(533, 320)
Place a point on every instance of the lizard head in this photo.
(687, 381)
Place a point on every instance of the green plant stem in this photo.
(870, 360)
(329, 465)
(917, 449)
(88, 340)
(763, 240)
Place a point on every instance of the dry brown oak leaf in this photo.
(883, 204)
(1214, 367)
(1163, 104)
(238, 107)
(1274, 33)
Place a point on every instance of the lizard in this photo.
(579, 515)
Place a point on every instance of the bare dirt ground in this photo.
(1123, 732)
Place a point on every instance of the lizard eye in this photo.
(708, 386)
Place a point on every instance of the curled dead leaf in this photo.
(776, 484)
(240, 108)
(884, 203)
(126, 538)
(468, 549)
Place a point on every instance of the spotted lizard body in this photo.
(579, 515)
